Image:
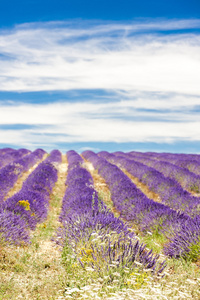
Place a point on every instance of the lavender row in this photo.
(188, 161)
(54, 158)
(85, 218)
(11, 172)
(187, 179)
(170, 192)
(8, 155)
(190, 164)
(171, 157)
(132, 204)
(148, 214)
(29, 206)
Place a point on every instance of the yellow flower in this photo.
(88, 251)
(25, 204)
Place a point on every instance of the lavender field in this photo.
(99, 225)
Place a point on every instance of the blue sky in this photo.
(100, 75)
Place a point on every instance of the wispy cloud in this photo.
(131, 56)
(172, 108)
(119, 121)
(148, 71)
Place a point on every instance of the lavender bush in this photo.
(8, 155)
(133, 206)
(13, 229)
(97, 237)
(30, 204)
(11, 172)
(183, 176)
(171, 193)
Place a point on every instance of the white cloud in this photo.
(170, 108)
(64, 56)
(51, 124)
(153, 76)
(102, 131)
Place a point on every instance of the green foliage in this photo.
(18, 268)
(193, 254)
(25, 258)
(155, 240)
(137, 280)
(194, 188)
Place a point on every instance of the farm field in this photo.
(99, 225)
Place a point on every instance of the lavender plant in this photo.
(8, 155)
(183, 176)
(171, 193)
(182, 231)
(127, 198)
(146, 213)
(30, 204)
(13, 229)
(186, 243)
(99, 240)
(190, 164)
(11, 172)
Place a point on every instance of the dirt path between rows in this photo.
(142, 187)
(18, 185)
(101, 186)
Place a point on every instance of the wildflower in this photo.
(115, 262)
(115, 281)
(70, 291)
(25, 204)
(112, 265)
(191, 281)
(89, 269)
(116, 274)
(94, 234)
(138, 263)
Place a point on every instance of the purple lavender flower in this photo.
(84, 214)
(30, 204)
